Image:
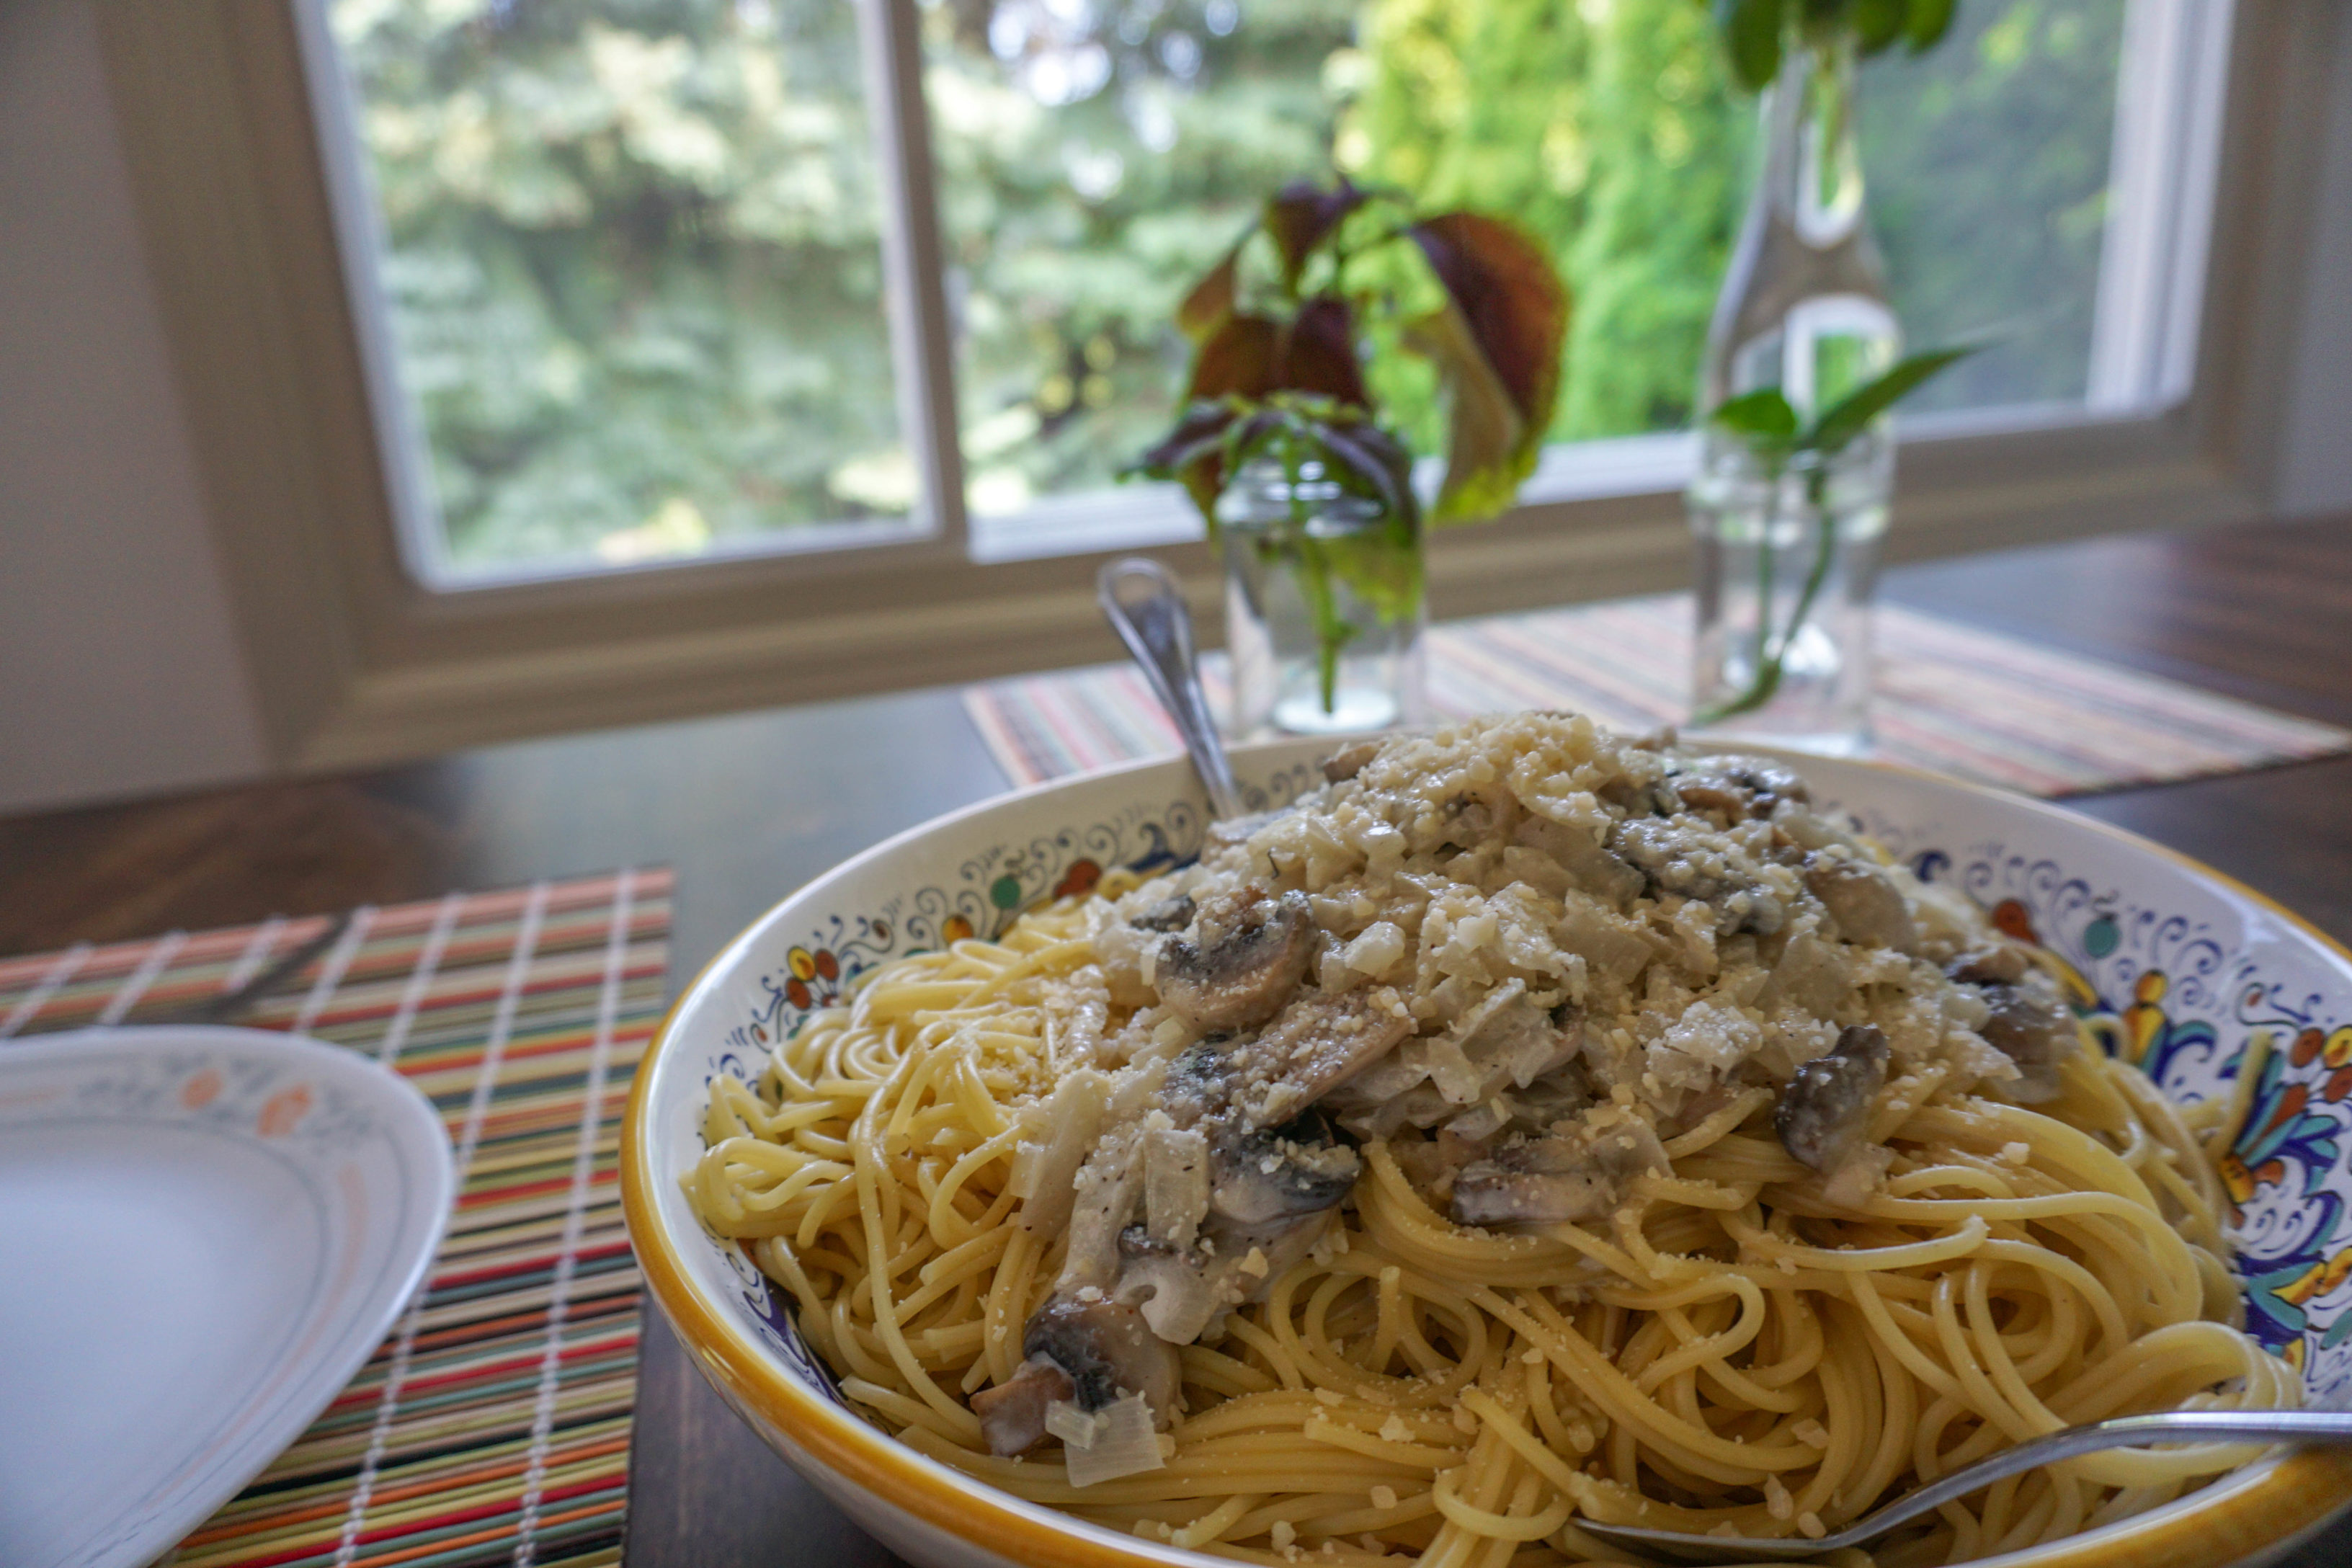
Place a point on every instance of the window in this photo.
(552, 365)
(634, 253)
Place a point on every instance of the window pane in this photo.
(1098, 153)
(1093, 158)
(633, 270)
(1989, 169)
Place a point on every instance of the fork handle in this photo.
(2122, 1432)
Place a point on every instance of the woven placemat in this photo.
(493, 1424)
(1975, 704)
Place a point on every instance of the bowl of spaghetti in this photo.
(1503, 1128)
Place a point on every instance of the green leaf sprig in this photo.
(1277, 373)
(1312, 435)
(1768, 424)
(1755, 31)
(1294, 326)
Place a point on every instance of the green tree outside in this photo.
(635, 246)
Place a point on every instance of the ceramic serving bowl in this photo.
(2194, 977)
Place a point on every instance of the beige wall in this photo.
(118, 671)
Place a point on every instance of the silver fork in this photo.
(2123, 1432)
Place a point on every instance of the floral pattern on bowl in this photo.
(2212, 991)
(2185, 1001)
(988, 892)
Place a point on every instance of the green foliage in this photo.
(1493, 335)
(1755, 31)
(635, 245)
(1765, 418)
(634, 269)
(1988, 166)
(1320, 444)
(1768, 424)
(1093, 160)
(1668, 147)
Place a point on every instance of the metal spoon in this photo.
(1145, 607)
(2124, 1431)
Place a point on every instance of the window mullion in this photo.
(2168, 108)
(914, 262)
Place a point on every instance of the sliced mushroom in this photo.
(1581, 1174)
(1593, 867)
(1641, 797)
(1825, 1110)
(2030, 1024)
(1739, 789)
(1200, 1082)
(1168, 915)
(1012, 1414)
(1715, 796)
(1281, 1173)
(1432, 1164)
(1868, 907)
(2003, 964)
(1349, 761)
(1104, 1198)
(1106, 1350)
(1318, 1043)
(1252, 951)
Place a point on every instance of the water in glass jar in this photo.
(1786, 567)
(1312, 653)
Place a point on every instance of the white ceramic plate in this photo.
(203, 1232)
(2198, 981)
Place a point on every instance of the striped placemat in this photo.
(1976, 704)
(493, 1424)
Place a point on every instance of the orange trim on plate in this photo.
(2303, 1489)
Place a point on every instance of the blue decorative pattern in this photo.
(985, 894)
(2210, 1013)
(2188, 1004)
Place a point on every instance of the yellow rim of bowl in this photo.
(2301, 1490)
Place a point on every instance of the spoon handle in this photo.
(1145, 607)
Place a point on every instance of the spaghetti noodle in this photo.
(1754, 1321)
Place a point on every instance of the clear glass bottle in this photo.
(1323, 605)
(1805, 308)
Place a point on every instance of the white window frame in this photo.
(363, 646)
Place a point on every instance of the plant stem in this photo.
(1766, 556)
(1332, 634)
(1768, 669)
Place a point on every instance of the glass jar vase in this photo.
(1788, 550)
(1323, 605)
(1788, 566)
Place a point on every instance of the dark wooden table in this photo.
(746, 808)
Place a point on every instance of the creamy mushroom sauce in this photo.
(1525, 952)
